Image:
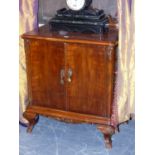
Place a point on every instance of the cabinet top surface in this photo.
(110, 38)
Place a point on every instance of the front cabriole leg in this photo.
(107, 131)
(32, 118)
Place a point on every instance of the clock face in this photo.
(76, 5)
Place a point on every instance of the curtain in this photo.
(28, 10)
(125, 76)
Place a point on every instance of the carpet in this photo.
(51, 137)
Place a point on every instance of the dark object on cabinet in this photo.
(80, 17)
(85, 21)
(71, 77)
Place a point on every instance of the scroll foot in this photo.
(107, 131)
(32, 118)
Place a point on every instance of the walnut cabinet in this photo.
(71, 77)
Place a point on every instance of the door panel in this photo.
(87, 92)
(45, 61)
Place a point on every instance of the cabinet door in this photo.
(89, 85)
(45, 62)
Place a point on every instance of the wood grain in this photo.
(45, 60)
(89, 89)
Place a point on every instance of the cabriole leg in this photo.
(107, 131)
(32, 118)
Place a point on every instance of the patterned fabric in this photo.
(28, 10)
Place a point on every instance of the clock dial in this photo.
(75, 4)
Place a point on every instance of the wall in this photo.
(47, 8)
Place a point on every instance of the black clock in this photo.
(80, 17)
(77, 5)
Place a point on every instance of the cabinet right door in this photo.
(89, 79)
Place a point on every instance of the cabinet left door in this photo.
(45, 73)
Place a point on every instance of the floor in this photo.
(51, 137)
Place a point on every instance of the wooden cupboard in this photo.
(71, 77)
